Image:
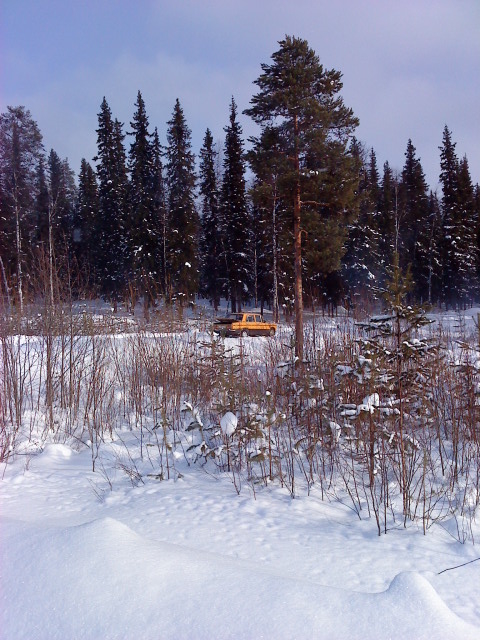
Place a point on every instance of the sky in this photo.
(409, 68)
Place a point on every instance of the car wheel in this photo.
(244, 333)
(271, 333)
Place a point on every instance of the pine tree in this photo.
(213, 276)
(235, 214)
(20, 151)
(299, 97)
(183, 222)
(112, 195)
(144, 229)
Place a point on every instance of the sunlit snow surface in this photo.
(88, 555)
(192, 559)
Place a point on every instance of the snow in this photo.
(192, 559)
(228, 423)
(110, 555)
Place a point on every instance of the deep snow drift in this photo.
(192, 559)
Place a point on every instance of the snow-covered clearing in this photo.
(192, 559)
(118, 554)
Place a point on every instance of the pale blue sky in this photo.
(409, 67)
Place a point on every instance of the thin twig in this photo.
(458, 566)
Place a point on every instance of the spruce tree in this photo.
(271, 222)
(212, 258)
(297, 95)
(468, 222)
(183, 222)
(414, 221)
(87, 225)
(62, 197)
(41, 206)
(112, 195)
(362, 264)
(428, 264)
(144, 229)
(235, 214)
(388, 204)
(160, 212)
(459, 246)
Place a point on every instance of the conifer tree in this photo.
(144, 228)
(388, 204)
(62, 196)
(468, 219)
(212, 258)
(20, 151)
(459, 246)
(362, 264)
(183, 222)
(235, 214)
(428, 264)
(296, 94)
(160, 211)
(87, 224)
(41, 206)
(112, 195)
(271, 222)
(414, 220)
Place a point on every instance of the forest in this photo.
(150, 221)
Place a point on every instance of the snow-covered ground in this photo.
(112, 555)
(192, 559)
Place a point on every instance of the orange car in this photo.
(244, 324)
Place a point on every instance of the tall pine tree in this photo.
(296, 94)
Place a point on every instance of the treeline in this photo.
(146, 221)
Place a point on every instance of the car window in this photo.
(250, 319)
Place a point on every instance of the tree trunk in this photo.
(297, 233)
(19, 256)
(50, 255)
(275, 257)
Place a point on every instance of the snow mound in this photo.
(229, 423)
(103, 580)
(53, 455)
